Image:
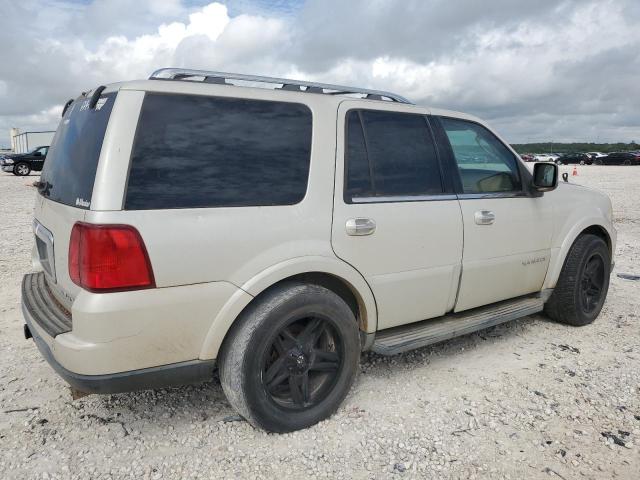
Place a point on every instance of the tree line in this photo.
(574, 147)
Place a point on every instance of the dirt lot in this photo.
(530, 399)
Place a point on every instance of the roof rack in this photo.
(179, 74)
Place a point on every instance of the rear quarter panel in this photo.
(196, 245)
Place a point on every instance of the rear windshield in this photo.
(70, 168)
(194, 152)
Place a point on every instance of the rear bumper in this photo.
(181, 373)
(125, 341)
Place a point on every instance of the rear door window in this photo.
(72, 159)
(194, 151)
(390, 154)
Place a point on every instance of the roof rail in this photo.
(180, 74)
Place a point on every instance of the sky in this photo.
(535, 70)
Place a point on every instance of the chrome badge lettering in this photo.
(531, 261)
(80, 202)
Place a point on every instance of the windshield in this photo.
(72, 160)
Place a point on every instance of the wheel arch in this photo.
(333, 274)
(559, 256)
(599, 231)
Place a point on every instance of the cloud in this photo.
(540, 70)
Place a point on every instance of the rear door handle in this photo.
(360, 226)
(484, 217)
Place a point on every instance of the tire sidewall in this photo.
(306, 301)
(596, 246)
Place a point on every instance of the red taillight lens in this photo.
(108, 258)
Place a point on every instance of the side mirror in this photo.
(545, 176)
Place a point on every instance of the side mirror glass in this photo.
(545, 176)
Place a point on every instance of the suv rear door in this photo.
(396, 219)
(66, 188)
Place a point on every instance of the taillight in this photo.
(106, 258)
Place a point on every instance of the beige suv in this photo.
(274, 229)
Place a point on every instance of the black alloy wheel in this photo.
(592, 283)
(291, 357)
(582, 287)
(301, 365)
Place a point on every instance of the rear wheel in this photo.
(21, 169)
(597, 161)
(583, 284)
(291, 358)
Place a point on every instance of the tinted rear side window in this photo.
(390, 154)
(70, 167)
(194, 151)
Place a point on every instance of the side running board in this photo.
(420, 334)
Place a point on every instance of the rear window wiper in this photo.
(44, 188)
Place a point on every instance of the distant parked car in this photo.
(22, 164)
(596, 154)
(574, 159)
(528, 157)
(545, 157)
(619, 158)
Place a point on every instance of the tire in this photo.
(21, 169)
(268, 343)
(582, 162)
(587, 265)
(597, 161)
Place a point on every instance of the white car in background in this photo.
(545, 157)
(596, 154)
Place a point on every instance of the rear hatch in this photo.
(66, 186)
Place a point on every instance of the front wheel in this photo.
(583, 284)
(21, 169)
(291, 358)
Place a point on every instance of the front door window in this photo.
(485, 164)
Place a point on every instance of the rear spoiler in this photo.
(92, 102)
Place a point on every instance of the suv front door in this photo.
(396, 217)
(507, 232)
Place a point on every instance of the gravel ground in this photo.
(529, 399)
